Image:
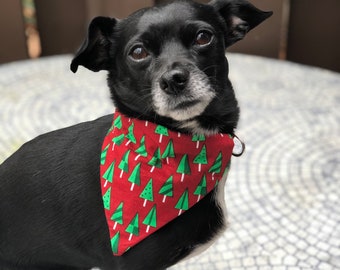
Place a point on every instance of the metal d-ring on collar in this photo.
(239, 146)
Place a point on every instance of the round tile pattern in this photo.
(282, 195)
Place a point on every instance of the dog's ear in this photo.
(240, 17)
(94, 52)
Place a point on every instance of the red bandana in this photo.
(150, 175)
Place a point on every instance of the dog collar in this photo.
(151, 175)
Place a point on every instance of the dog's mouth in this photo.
(184, 110)
(189, 103)
(186, 104)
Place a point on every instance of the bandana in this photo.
(151, 175)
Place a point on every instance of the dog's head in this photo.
(167, 64)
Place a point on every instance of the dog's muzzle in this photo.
(181, 91)
(173, 82)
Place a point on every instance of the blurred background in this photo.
(303, 31)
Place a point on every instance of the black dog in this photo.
(166, 65)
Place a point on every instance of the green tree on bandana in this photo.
(108, 174)
(130, 136)
(118, 122)
(198, 138)
(133, 227)
(156, 161)
(169, 151)
(184, 167)
(183, 202)
(124, 163)
(216, 167)
(106, 199)
(115, 242)
(134, 178)
(167, 189)
(118, 140)
(141, 150)
(201, 158)
(151, 219)
(147, 193)
(103, 155)
(201, 189)
(162, 131)
(117, 215)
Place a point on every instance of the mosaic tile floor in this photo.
(282, 195)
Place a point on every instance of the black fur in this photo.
(51, 212)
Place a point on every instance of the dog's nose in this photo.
(174, 81)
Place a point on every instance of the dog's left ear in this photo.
(240, 17)
(94, 52)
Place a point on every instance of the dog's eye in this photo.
(203, 38)
(138, 53)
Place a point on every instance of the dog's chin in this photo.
(186, 105)
(181, 108)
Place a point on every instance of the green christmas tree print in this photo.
(201, 158)
(183, 202)
(151, 219)
(117, 215)
(156, 161)
(167, 190)
(169, 151)
(118, 140)
(106, 199)
(108, 174)
(118, 122)
(141, 151)
(201, 189)
(216, 167)
(124, 163)
(115, 242)
(147, 193)
(184, 167)
(133, 227)
(134, 178)
(198, 138)
(162, 131)
(130, 136)
(103, 155)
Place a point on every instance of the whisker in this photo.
(208, 67)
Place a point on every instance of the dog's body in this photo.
(166, 65)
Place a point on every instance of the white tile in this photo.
(290, 260)
(262, 261)
(323, 256)
(325, 266)
(276, 260)
(235, 263)
(248, 262)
